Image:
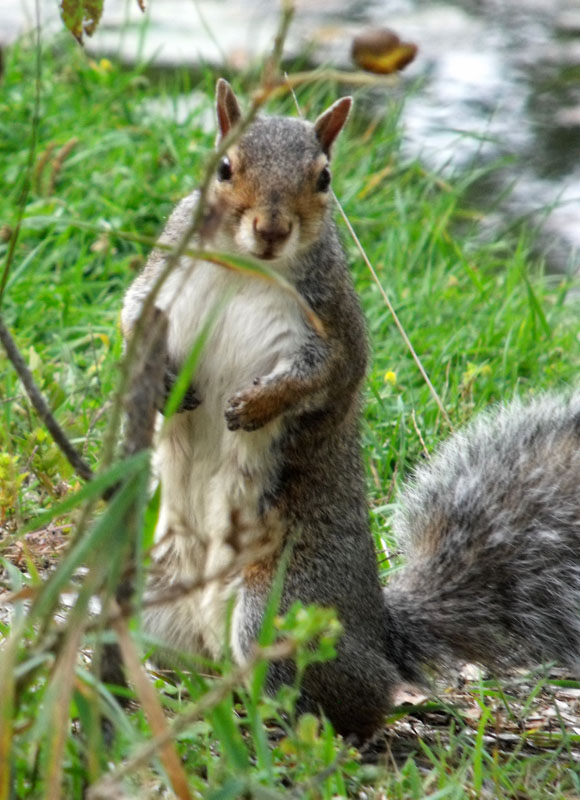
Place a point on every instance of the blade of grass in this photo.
(89, 547)
(153, 710)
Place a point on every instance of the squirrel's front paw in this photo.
(190, 399)
(249, 409)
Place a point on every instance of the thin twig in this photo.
(289, 82)
(40, 405)
(34, 393)
(271, 72)
(394, 315)
(418, 432)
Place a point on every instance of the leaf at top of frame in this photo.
(81, 16)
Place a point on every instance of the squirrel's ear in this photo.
(228, 110)
(330, 124)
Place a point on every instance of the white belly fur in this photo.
(207, 472)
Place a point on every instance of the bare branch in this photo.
(41, 406)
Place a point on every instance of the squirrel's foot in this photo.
(250, 409)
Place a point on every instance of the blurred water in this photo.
(501, 80)
(495, 80)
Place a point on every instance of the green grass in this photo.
(485, 321)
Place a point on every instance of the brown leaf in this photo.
(81, 16)
(381, 51)
(93, 14)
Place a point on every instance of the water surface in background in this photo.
(502, 81)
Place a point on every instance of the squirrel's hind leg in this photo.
(354, 690)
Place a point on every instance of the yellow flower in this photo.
(103, 66)
(475, 371)
(391, 377)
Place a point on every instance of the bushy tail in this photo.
(491, 528)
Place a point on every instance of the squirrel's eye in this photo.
(323, 181)
(224, 170)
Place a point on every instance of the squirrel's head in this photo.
(272, 189)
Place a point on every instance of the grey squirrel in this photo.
(267, 447)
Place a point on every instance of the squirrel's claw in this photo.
(190, 399)
(243, 411)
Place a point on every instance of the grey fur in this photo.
(491, 525)
(314, 487)
(491, 528)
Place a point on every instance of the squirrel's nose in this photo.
(272, 233)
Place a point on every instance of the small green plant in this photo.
(11, 481)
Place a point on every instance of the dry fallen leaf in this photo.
(408, 694)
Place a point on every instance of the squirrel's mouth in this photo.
(269, 253)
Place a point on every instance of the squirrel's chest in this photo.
(248, 328)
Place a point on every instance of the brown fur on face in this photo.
(269, 208)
